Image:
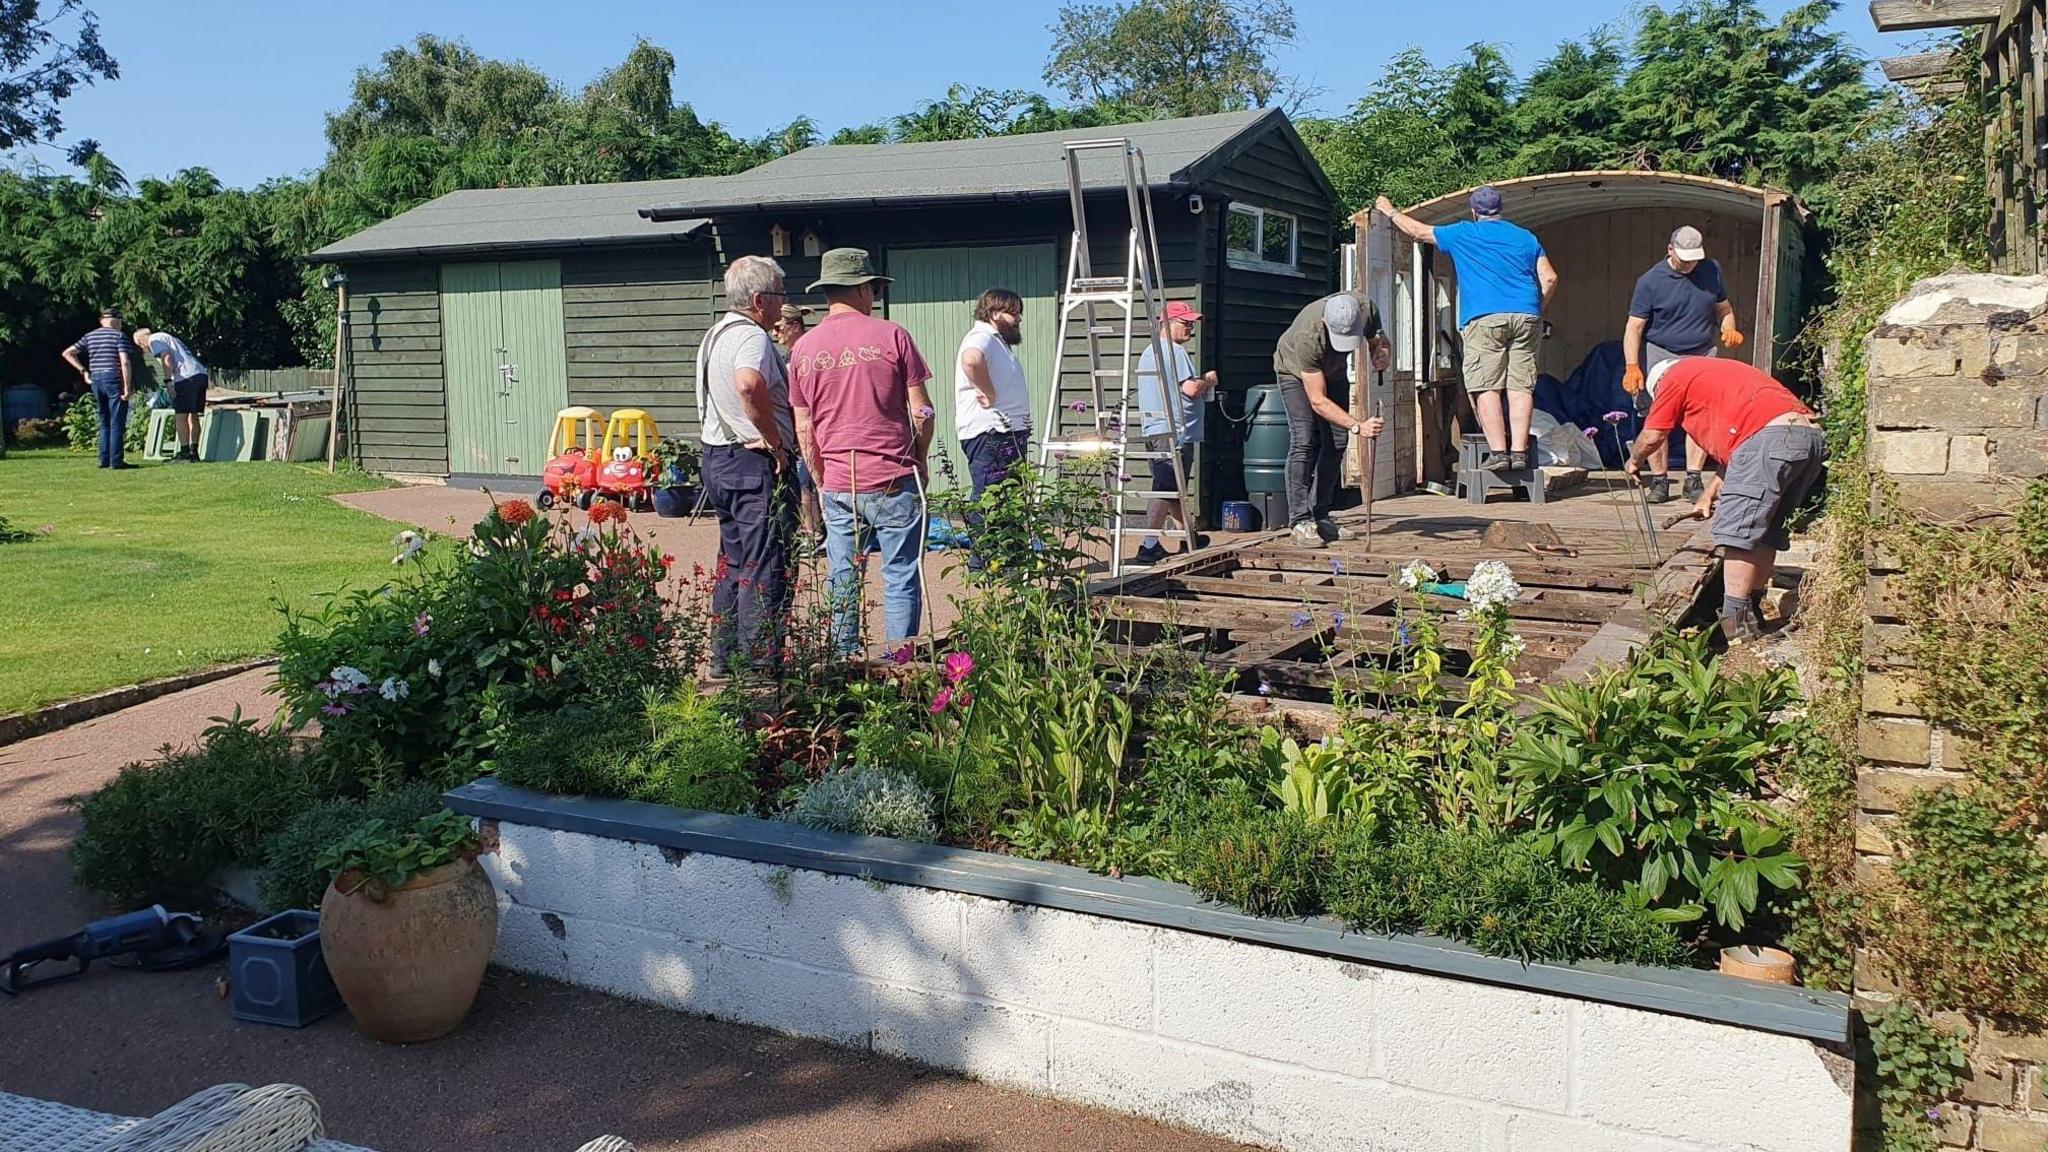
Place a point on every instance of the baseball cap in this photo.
(1486, 200)
(1656, 375)
(1344, 320)
(1182, 310)
(1688, 244)
(110, 313)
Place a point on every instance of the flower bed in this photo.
(1137, 995)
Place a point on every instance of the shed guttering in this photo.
(1558, 191)
(663, 214)
(322, 256)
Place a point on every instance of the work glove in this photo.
(1731, 337)
(1632, 379)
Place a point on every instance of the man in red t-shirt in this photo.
(864, 422)
(1768, 454)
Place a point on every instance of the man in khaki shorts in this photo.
(1504, 283)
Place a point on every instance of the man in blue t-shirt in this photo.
(1504, 283)
(101, 357)
(1677, 308)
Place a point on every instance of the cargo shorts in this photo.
(1500, 352)
(1771, 475)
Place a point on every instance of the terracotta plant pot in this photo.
(409, 960)
(1749, 962)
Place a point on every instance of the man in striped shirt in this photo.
(101, 357)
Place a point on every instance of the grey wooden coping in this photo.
(1702, 995)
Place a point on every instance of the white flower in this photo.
(1414, 574)
(1491, 586)
(408, 544)
(394, 689)
(349, 679)
(1512, 648)
(586, 537)
(433, 667)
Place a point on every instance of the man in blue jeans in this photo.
(101, 357)
(864, 420)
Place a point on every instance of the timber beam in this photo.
(1921, 66)
(1921, 15)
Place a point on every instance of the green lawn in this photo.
(164, 569)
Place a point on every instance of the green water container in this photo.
(1265, 452)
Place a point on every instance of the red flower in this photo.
(667, 562)
(604, 512)
(515, 512)
(564, 595)
(540, 671)
(637, 641)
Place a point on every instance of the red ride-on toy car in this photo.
(571, 473)
(627, 479)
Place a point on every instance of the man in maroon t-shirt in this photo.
(1768, 454)
(864, 422)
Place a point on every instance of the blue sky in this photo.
(242, 88)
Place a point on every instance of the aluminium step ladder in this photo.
(1118, 316)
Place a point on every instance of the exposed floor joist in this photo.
(1922, 15)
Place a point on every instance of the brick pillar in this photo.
(1958, 421)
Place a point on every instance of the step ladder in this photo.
(1118, 317)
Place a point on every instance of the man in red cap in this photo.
(1178, 326)
(1769, 454)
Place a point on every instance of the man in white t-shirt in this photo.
(185, 379)
(991, 399)
(749, 433)
(1193, 390)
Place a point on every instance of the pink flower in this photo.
(903, 655)
(959, 666)
(334, 709)
(940, 702)
(963, 698)
(421, 623)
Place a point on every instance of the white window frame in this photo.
(1256, 262)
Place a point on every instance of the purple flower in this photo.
(1615, 417)
(926, 412)
(1934, 1114)
(1299, 620)
(1593, 433)
(334, 709)
(902, 655)
(1265, 689)
(421, 623)
(1336, 566)
(1337, 619)
(1078, 406)
(959, 666)
(1401, 634)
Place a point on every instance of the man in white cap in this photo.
(1309, 362)
(1505, 281)
(1676, 311)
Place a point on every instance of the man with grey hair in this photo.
(1676, 308)
(748, 434)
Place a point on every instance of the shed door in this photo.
(506, 368)
(934, 296)
(1370, 270)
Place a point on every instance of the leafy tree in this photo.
(964, 113)
(45, 54)
(1566, 114)
(1395, 140)
(1171, 57)
(442, 90)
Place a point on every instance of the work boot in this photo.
(1657, 490)
(1149, 554)
(1197, 540)
(1518, 461)
(1305, 535)
(1498, 461)
(1330, 530)
(1740, 628)
(1694, 488)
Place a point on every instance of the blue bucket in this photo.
(1240, 516)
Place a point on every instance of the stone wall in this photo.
(1257, 1043)
(1958, 423)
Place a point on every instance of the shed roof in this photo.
(1031, 166)
(1536, 201)
(479, 220)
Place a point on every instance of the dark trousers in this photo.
(113, 424)
(756, 509)
(991, 455)
(1314, 464)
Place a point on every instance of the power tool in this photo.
(157, 940)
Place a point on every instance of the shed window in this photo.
(1403, 327)
(1262, 239)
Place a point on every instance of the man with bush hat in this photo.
(101, 358)
(864, 421)
(1675, 311)
(1770, 453)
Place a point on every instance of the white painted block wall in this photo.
(1249, 1042)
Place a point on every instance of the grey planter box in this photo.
(278, 973)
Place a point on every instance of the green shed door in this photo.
(496, 317)
(934, 296)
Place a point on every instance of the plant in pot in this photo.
(408, 926)
(675, 464)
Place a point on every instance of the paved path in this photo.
(539, 1067)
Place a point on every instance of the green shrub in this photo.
(1918, 1064)
(82, 423)
(680, 750)
(867, 801)
(161, 831)
(1267, 863)
(292, 878)
(377, 855)
(1647, 777)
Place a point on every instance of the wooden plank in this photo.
(1920, 15)
(1919, 66)
(1602, 578)
(1545, 604)
(1542, 638)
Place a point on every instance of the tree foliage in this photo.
(46, 52)
(1170, 57)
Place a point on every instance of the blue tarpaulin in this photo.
(1593, 390)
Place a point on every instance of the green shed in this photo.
(476, 315)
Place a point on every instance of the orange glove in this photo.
(1731, 337)
(1632, 379)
